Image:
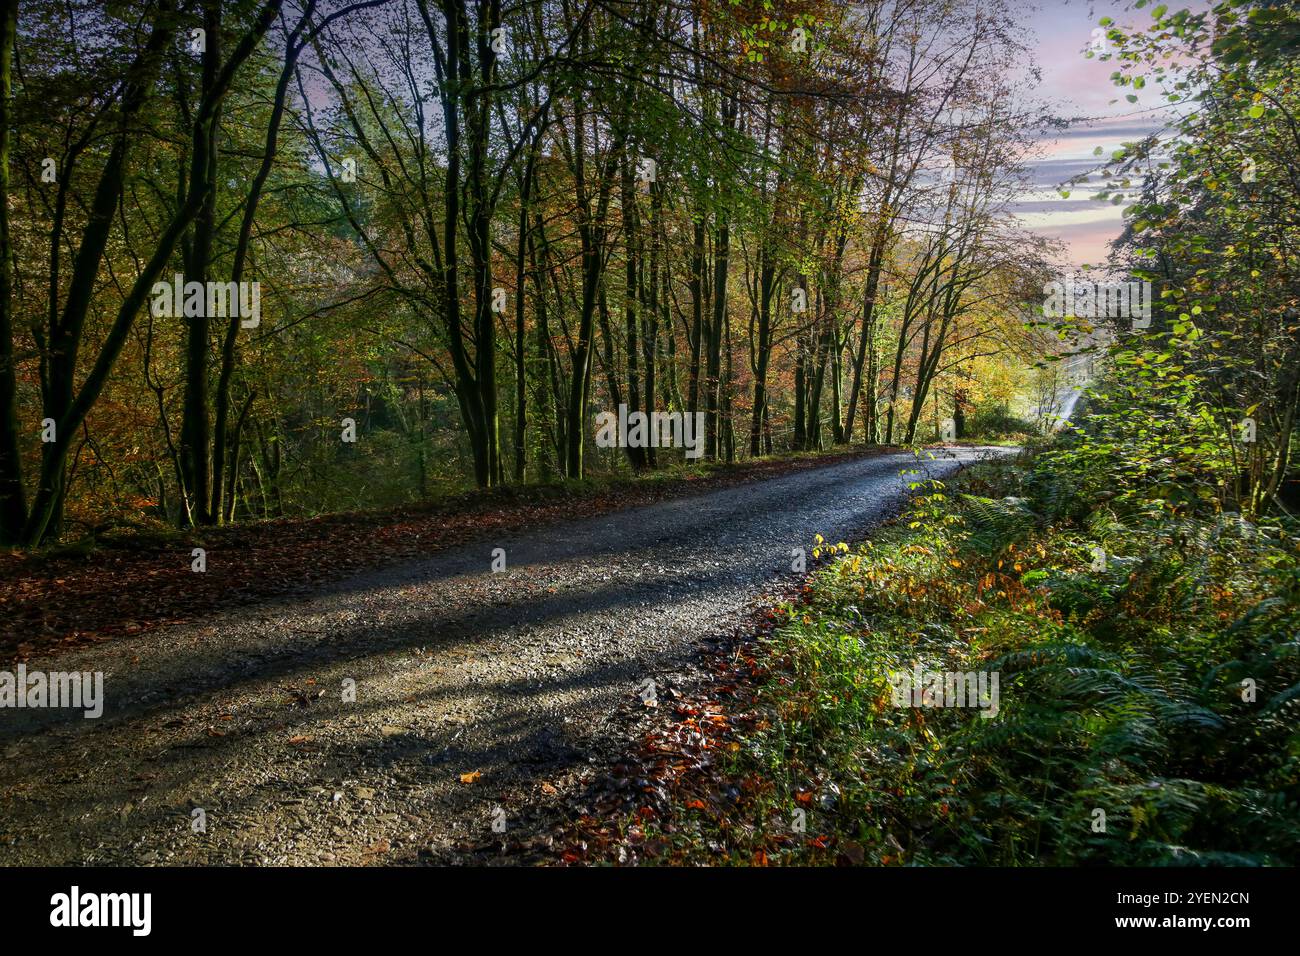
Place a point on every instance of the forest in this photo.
(457, 232)
(665, 430)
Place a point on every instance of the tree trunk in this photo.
(195, 434)
(762, 347)
(13, 501)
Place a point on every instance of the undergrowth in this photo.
(1149, 669)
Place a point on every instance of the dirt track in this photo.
(474, 690)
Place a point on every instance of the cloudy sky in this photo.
(1074, 86)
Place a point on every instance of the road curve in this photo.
(477, 693)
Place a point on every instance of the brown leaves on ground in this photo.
(677, 767)
(681, 798)
(637, 812)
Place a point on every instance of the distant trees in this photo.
(461, 212)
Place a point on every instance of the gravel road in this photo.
(479, 695)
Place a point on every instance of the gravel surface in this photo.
(479, 695)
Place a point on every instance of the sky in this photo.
(1073, 85)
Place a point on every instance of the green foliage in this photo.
(996, 424)
(1213, 211)
(1127, 625)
